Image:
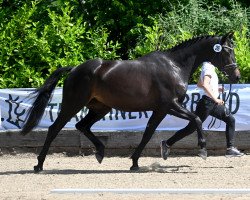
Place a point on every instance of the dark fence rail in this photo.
(119, 143)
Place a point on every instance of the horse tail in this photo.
(42, 95)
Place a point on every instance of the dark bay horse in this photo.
(157, 82)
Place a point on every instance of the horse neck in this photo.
(191, 57)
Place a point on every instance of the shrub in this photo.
(30, 49)
(242, 53)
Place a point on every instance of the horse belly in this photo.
(126, 100)
(124, 85)
(127, 105)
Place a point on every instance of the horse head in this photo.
(225, 58)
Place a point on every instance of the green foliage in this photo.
(119, 17)
(242, 53)
(39, 36)
(155, 37)
(199, 18)
(194, 19)
(30, 50)
(15, 50)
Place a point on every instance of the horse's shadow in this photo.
(144, 169)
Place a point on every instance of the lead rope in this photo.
(225, 102)
(213, 120)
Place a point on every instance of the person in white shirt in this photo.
(209, 104)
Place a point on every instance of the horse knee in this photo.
(81, 126)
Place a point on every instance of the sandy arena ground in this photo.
(17, 180)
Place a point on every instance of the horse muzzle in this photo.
(232, 72)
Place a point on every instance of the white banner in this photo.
(14, 104)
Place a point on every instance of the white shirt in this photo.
(209, 69)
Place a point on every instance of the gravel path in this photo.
(17, 180)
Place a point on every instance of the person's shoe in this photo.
(233, 152)
(165, 149)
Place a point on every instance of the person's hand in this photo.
(219, 101)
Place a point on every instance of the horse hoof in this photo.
(203, 153)
(100, 154)
(37, 169)
(134, 168)
(99, 157)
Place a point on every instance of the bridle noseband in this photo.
(224, 68)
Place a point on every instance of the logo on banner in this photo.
(14, 111)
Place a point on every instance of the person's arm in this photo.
(205, 85)
(199, 84)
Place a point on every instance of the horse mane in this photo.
(190, 42)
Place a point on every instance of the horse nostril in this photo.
(237, 78)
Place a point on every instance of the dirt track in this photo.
(17, 180)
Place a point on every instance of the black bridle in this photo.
(228, 66)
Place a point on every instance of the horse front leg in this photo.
(153, 123)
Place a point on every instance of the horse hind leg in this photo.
(71, 105)
(53, 131)
(94, 115)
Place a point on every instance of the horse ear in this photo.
(226, 37)
(230, 35)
